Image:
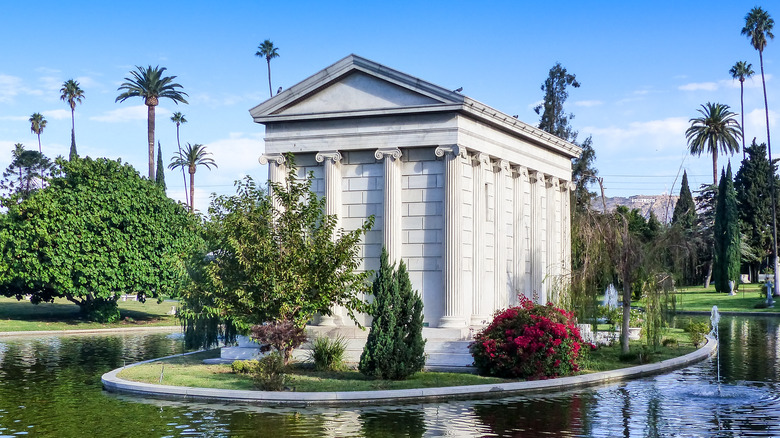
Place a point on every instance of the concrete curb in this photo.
(91, 331)
(112, 383)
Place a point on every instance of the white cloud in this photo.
(237, 155)
(15, 118)
(57, 114)
(130, 113)
(696, 86)
(10, 87)
(650, 135)
(588, 103)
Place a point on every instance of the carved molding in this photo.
(503, 166)
(535, 175)
(334, 156)
(394, 153)
(456, 150)
(267, 158)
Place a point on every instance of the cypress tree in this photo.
(160, 176)
(685, 210)
(395, 348)
(754, 203)
(727, 254)
(73, 154)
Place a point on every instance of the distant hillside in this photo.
(661, 205)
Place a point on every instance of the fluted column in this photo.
(566, 188)
(332, 163)
(276, 171)
(500, 283)
(453, 297)
(479, 311)
(519, 233)
(536, 180)
(392, 202)
(553, 254)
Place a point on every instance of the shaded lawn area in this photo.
(190, 371)
(64, 315)
(748, 296)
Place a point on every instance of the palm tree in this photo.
(37, 122)
(716, 129)
(267, 50)
(758, 26)
(178, 119)
(73, 94)
(741, 71)
(192, 157)
(150, 84)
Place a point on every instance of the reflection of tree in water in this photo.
(560, 416)
(408, 422)
(280, 425)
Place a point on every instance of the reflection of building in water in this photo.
(474, 201)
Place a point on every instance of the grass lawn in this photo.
(190, 371)
(697, 298)
(64, 315)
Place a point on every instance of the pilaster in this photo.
(536, 181)
(519, 233)
(332, 163)
(453, 298)
(500, 283)
(552, 254)
(392, 202)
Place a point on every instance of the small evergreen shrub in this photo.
(529, 341)
(328, 354)
(395, 348)
(697, 332)
(244, 366)
(670, 343)
(269, 374)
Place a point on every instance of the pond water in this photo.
(50, 386)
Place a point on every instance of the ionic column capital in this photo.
(503, 166)
(535, 175)
(481, 159)
(333, 156)
(267, 158)
(454, 149)
(393, 153)
(520, 171)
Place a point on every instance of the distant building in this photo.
(661, 205)
(473, 200)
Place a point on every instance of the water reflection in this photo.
(50, 386)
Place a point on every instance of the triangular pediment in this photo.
(354, 85)
(357, 91)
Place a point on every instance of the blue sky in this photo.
(644, 68)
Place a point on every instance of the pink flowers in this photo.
(528, 341)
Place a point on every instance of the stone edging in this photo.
(302, 399)
(91, 331)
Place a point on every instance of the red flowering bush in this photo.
(529, 341)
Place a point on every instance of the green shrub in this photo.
(395, 348)
(269, 374)
(328, 354)
(697, 331)
(244, 366)
(670, 342)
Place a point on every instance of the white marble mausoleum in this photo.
(474, 201)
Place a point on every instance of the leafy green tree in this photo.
(754, 202)
(706, 201)
(395, 348)
(742, 70)
(727, 252)
(25, 174)
(759, 26)
(269, 264)
(178, 119)
(685, 209)
(160, 177)
(554, 120)
(150, 84)
(583, 173)
(267, 50)
(72, 93)
(97, 231)
(715, 130)
(37, 123)
(193, 156)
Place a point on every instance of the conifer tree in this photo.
(726, 263)
(160, 176)
(685, 210)
(395, 348)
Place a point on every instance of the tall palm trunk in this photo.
(742, 112)
(39, 143)
(183, 176)
(771, 178)
(150, 134)
(192, 189)
(715, 166)
(270, 91)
